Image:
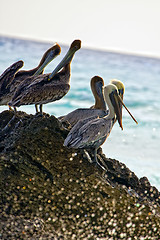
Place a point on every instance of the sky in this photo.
(130, 26)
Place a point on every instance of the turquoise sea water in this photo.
(137, 145)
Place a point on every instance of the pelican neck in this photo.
(111, 114)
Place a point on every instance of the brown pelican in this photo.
(92, 133)
(47, 87)
(99, 109)
(9, 80)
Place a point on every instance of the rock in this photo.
(51, 192)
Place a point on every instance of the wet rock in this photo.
(51, 192)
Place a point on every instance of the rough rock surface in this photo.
(51, 192)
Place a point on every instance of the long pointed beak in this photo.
(67, 58)
(50, 57)
(120, 100)
(121, 93)
(117, 109)
(120, 104)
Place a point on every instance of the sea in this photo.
(137, 146)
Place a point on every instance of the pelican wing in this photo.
(37, 80)
(76, 132)
(90, 132)
(8, 75)
(82, 113)
(38, 94)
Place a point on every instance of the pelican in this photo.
(47, 87)
(92, 133)
(99, 109)
(9, 81)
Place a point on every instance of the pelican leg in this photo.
(40, 108)
(39, 113)
(95, 161)
(15, 109)
(95, 156)
(10, 109)
(88, 156)
(36, 107)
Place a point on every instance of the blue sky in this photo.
(120, 25)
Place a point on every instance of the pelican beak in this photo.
(117, 103)
(67, 58)
(120, 100)
(76, 45)
(117, 108)
(51, 55)
(121, 92)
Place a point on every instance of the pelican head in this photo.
(76, 45)
(97, 84)
(119, 85)
(113, 100)
(49, 55)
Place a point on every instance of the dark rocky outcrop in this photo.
(51, 192)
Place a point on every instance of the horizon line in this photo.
(89, 47)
